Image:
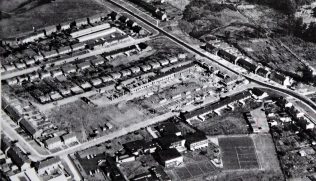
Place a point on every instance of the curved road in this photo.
(151, 121)
(189, 47)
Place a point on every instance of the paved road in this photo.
(72, 167)
(199, 52)
(163, 117)
(10, 132)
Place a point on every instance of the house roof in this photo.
(262, 71)
(224, 54)
(277, 77)
(216, 105)
(247, 65)
(5, 143)
(29, 127)
(257, 92)
(52, 140)
(47, 162)
(17, 156)
(168, 154)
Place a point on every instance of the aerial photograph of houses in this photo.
(158, 90)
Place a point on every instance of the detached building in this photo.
(170, 157)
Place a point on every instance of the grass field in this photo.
(41, 15)
(266, 153)
(238, 153)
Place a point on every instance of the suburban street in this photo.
(250, 77)
(10, 132)
(71, 59)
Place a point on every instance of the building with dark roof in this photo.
(281, 79)
(258, 93)
(19, 158)
(5, 144)
(196, 141)
(168, 128)
(131, 23)
(263, 72)
(251, 67)
(113, 15)
(227, 56)
(123, 19)
(170, 157)
(171, 141)
(211, 48)
(140, 146)
(30, 129)
(217, 106)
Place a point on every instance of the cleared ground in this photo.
(238, 153)
(38, 15)
(83, 118)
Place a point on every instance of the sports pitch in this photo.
(238, 153)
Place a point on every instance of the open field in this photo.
(266, 153)
(83, 118)
(238, 153)
(38, 16)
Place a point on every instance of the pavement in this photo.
(72, 167)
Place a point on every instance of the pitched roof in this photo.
(216, 105)
(17, 156)
(29, 127)
(47, 162)
(52, 140)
